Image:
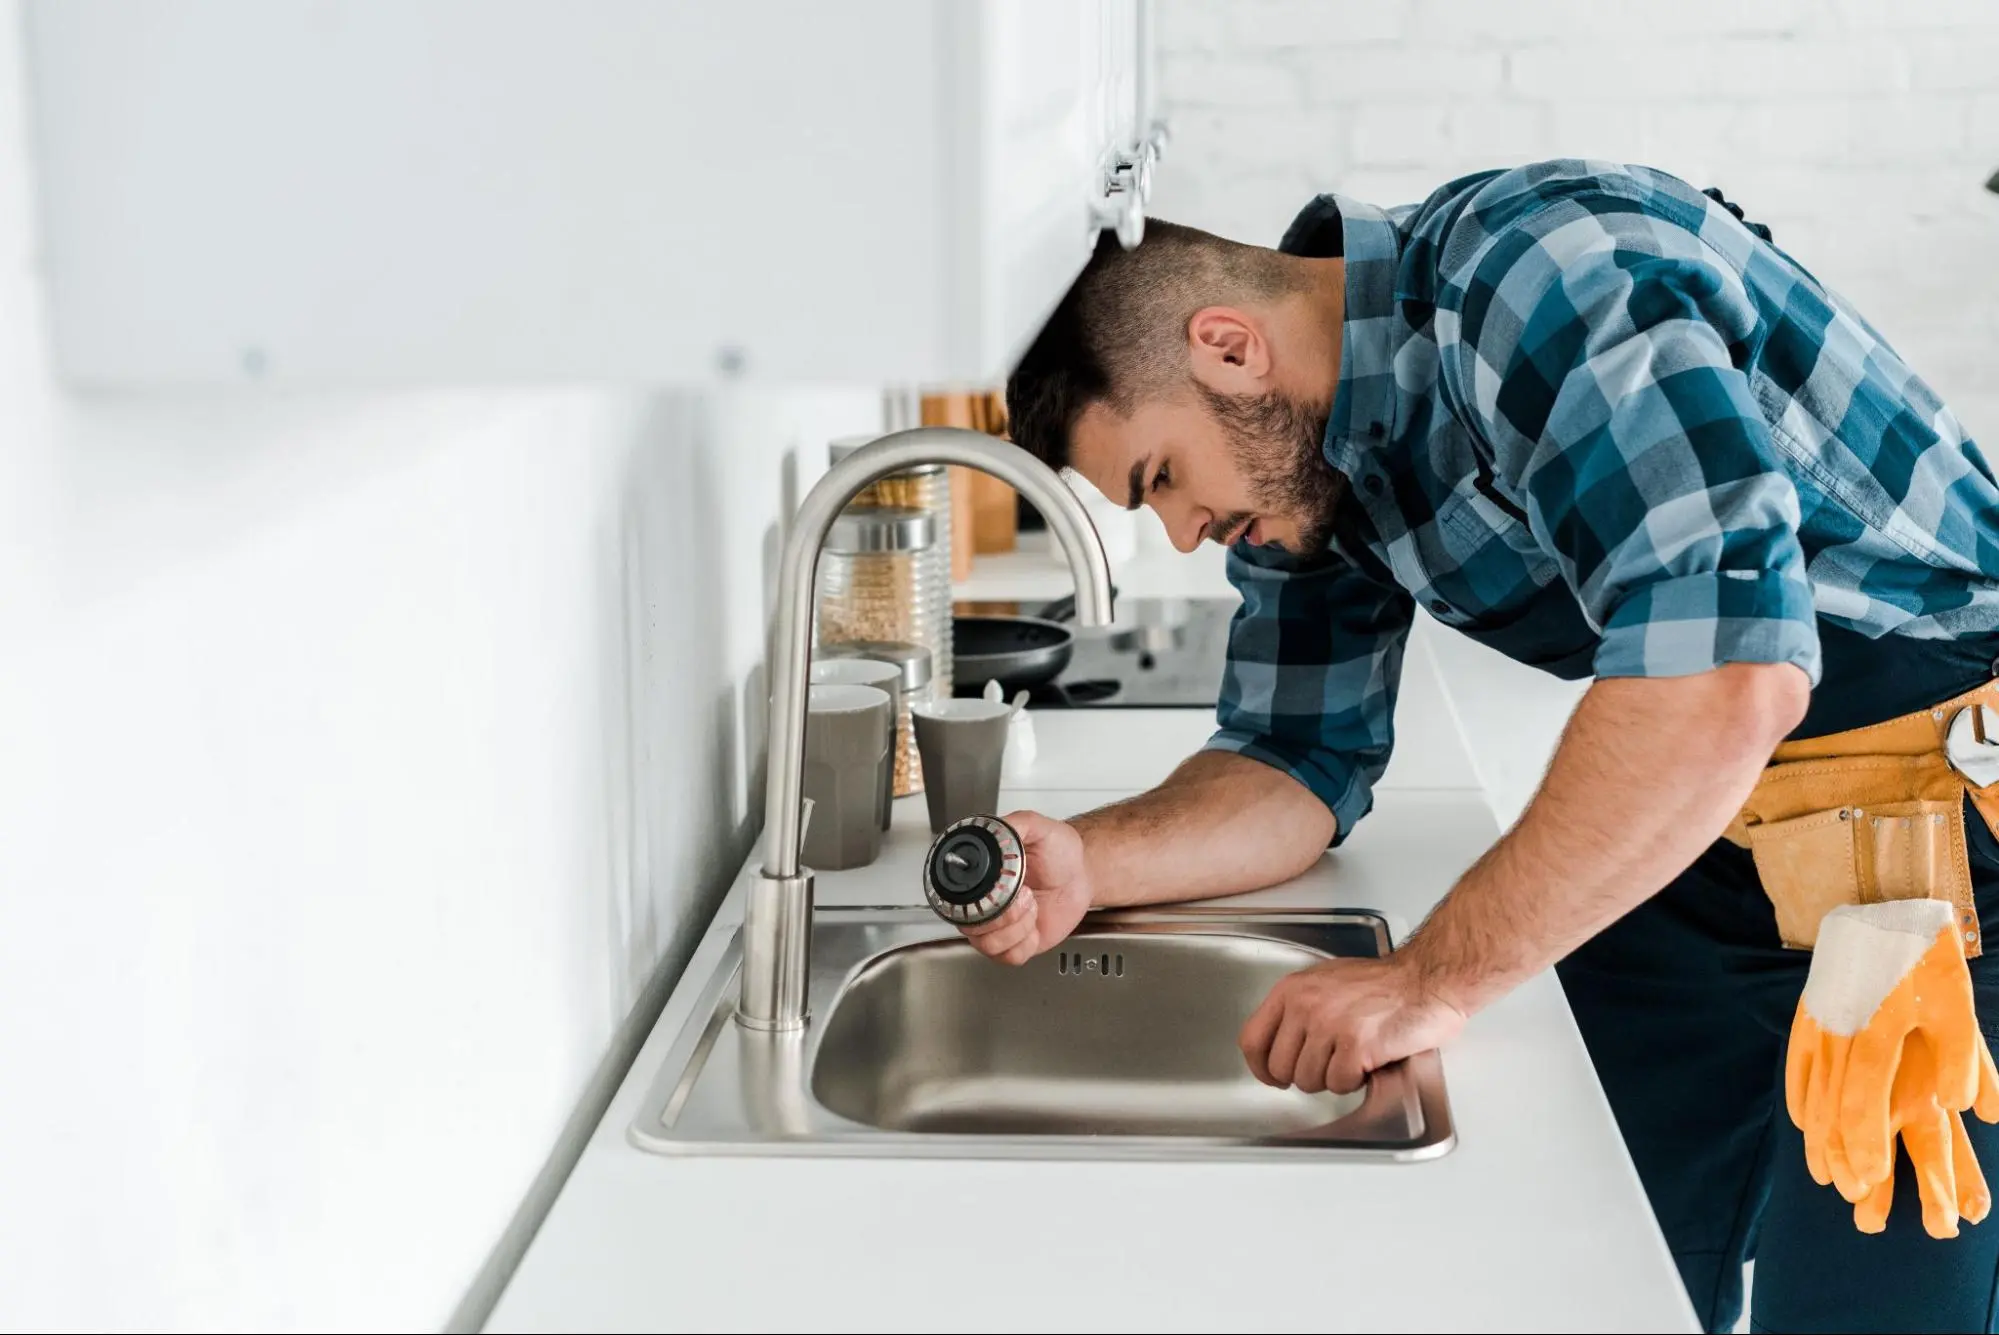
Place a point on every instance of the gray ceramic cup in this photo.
(846, 738)
(883, 677)
(962, 743)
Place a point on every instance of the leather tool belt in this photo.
(1875, 813)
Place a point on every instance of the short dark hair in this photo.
(1120, 332)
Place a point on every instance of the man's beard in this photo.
(1279, 447)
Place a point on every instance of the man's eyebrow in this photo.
(1136, 497)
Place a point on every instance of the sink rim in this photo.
(1405, 1115)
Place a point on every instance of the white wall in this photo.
(360, 757)
(1860, 130)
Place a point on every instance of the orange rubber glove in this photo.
(1948, 1178)
(1886, 1046)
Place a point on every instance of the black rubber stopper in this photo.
(965, 865)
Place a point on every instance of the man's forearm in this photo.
(1648, 774)
(1221, 824)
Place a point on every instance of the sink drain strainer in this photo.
(974, 870)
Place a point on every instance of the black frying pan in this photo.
(1018, 652)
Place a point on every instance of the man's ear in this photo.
(1229, 350)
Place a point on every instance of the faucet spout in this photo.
(777, 926)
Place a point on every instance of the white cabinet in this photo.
(531, 190)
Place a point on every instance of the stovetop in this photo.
(1158, 653)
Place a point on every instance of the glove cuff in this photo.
(1863, 952)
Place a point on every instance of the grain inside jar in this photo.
(926, 487)
(870, 586)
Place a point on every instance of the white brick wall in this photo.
(1860, 130)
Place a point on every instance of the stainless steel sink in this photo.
(1122, 1043)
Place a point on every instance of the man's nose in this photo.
(1186, 525)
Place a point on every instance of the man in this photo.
(1585, 414)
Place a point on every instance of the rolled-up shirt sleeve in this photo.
(1315, 656)
(1608, 384)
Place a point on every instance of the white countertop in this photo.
(1536, 1220)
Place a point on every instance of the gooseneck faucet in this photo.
(777, 926)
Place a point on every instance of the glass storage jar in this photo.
(867, 580)
(927, 488)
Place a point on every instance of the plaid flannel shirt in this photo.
(1584, 400)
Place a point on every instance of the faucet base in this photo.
(777, 953)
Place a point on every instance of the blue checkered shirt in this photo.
(1589, 415)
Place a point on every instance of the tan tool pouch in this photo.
(1858, 830)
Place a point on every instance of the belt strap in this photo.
(1914, 734)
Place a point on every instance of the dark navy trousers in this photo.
(1686, 1006)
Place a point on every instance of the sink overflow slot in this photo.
(1104, 966)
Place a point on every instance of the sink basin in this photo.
(1128, 1035)
(1120, 1043)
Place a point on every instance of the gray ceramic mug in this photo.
(885, 677)
(962, 743)
(847, 728)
